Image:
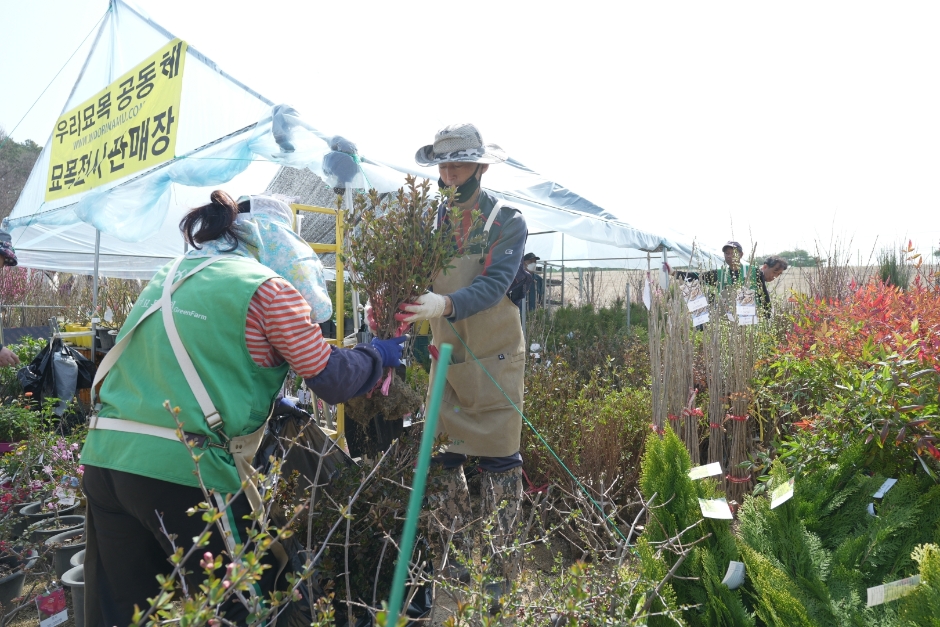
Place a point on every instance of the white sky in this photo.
(788, 122)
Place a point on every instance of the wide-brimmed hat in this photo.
(459, 142)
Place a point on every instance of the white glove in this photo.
(427, 307)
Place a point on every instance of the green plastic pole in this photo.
(417, 488)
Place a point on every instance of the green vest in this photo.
(210, 310)
(746, 276)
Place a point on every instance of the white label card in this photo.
(715, 508)
(887, 485)
(891, 591)
(698, 303)
(66, 496)
(700, 319)
(709, 470)
(746, 310)
(734, 577)
(744, 321)
(781, 494)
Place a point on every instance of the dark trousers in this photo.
(127, 549)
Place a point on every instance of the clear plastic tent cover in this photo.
(242, 145)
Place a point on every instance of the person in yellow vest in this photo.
(468, 308)
(214, 334)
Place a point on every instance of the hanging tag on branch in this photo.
(696, 301)
(781, 494)
(709, 470)
(887, 485)
(734, 577)
(715, 508)
(891, 591)
(52, 610)
(745, 306)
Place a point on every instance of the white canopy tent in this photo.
(232, 137)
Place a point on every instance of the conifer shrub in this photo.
(675, 509)
(922, 608)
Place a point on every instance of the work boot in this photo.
(449, 508)
(502, 494)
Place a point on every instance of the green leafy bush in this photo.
(596, 429)
(26, 350)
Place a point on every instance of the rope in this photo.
(539, 436)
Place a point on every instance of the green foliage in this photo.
(26, 350)
(665, 469)
(892, 269)
(774, 597)
(20, 421)
(16, 162)
(922, 607)
(597, 429)
(395, 249)
(798, 258)
(781, 538)
(586, 337)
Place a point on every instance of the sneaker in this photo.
(494, 592)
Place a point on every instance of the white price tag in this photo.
(715, 508)
(891, 591)
(887, 485)
(744, 321)
(700, 319)
(698, 303)
(406, 420)
(66, 496)
(734, 576)
(709, 470)
(746, 310)
(781, 494)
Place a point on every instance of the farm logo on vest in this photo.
(129, 126)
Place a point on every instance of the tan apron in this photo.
(475, 415)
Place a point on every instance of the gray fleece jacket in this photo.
(503, 252)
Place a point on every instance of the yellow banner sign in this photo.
(128, 127)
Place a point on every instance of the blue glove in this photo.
(390, 350)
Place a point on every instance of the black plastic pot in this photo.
(40, 531)
(78, 559)
(11, 586)
(74, 580)
(62, 554)
(31, 513)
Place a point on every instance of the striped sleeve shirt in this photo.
(279, 329)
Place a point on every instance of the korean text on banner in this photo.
(129, 126)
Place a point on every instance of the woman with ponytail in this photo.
(213, 334)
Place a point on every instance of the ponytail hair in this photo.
(211, 222)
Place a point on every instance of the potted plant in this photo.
(14, 562)
(18, 421)
(393, 250)
(65, 546)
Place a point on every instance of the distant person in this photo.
(772, 267)
(720, 277)
(536, 293)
